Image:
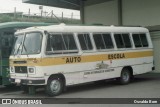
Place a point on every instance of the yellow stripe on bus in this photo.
(81, 59)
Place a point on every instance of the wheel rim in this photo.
(55, 86)
(125, 76)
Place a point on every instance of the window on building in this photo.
(85, 41)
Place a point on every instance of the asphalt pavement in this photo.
(143, 86)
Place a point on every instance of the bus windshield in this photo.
(28, 44)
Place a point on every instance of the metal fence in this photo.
(43, 16)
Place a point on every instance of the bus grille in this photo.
(20, 69)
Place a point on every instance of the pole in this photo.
(14, 12)
(120, 13)
(41, 13)
(52, 14)
(71, 16)
(62, 16)
(82, 11)
(29, 13)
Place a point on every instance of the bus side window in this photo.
(85, 41)
(137, 40)
(127, 40)
(140, 40)
(119, 41)
(103, 41)
(122, 40)
(58, 42)
(144, 40)
(99, 41)
(108, 41)
(55, 43)
(69, 42)
(61, 44)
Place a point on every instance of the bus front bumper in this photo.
(39, 81)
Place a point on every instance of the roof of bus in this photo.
(21, 24)
(83, 29)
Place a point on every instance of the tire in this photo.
(125, 76)
(55, 86)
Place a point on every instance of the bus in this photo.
(7, 31)
(62, 55)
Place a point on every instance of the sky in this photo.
(9, 5)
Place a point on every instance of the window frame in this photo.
(101, 33)
(40, 44)
(88, 50)
(25, 33)
(146, 40)
(121, 33)
(139, 33)
(61, 52)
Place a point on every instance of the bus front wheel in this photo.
(125, 76)
(54, 86)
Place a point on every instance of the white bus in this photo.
(61, 55)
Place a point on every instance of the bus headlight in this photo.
(12, 70)
(31, 70)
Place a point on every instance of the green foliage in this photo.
(5, 18)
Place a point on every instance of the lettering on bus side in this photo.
(116, 56)
(73, 59)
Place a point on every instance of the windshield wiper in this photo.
(25, 49)
(18, 49)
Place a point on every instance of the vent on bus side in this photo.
(20, 62)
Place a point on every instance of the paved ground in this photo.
(144, 86)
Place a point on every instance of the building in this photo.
(116, 12)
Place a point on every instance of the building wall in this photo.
(156, 41)
(144, 13)
(141, 12)
(103, 13)
(134, 12)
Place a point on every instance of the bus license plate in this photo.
(17, 80)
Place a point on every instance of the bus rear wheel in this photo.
(54, 86)
(125, 76)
